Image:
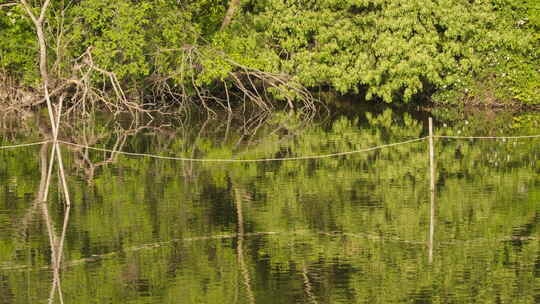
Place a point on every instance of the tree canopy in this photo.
(390, 50)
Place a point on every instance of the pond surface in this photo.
(347, 229)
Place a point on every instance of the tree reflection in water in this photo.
(56, 243)
(361, 222)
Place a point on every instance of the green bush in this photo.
(391, 50)
(18, 46)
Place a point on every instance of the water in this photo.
(351, 229)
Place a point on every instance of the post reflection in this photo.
(432, 188)
(239, 197)
(431, 227)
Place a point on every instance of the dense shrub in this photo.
(18, 47)
(382, 49)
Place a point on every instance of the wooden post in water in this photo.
(432, 190)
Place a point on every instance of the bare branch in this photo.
(8, 4)
(41, 38)
(43, 11)
(28, 10)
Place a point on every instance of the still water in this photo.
(349, 229)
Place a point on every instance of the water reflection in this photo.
(56, 243)
(431, 241)
(432, 189)
(239, 198)
(346, 230)
(57, 250)
(308, 288)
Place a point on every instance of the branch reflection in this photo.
(56, 243)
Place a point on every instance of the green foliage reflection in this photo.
(348, 230)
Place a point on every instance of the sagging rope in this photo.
(266, 159)
(25, 145)
(486, 137)
(246, 160)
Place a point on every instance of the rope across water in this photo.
(330, 155)
(24, 145)
(246, 160)
(487, 137)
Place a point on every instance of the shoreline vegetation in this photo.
(163, 56)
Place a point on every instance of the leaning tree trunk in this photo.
(38, 23)
(233, 7)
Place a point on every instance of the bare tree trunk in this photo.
(233, 7)
(55, 122)
(38, 23)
